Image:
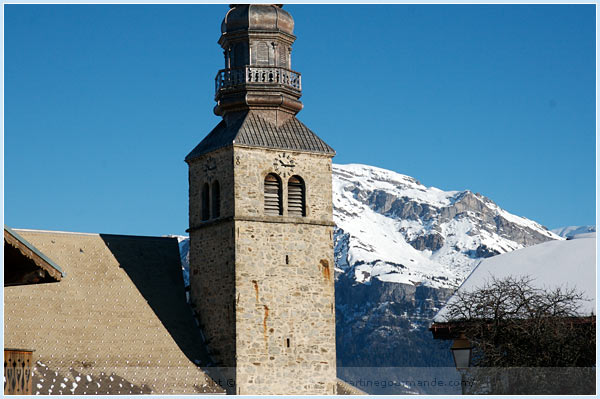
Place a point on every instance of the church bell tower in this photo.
(261, 223)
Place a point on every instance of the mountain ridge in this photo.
(399, 230)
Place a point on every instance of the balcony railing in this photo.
(227, 78)
(18, 367)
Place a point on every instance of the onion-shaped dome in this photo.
(257, 17)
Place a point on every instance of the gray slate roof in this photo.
(253, 130)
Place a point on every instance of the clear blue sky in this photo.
(102, 103)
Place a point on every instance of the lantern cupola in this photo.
(257, 42)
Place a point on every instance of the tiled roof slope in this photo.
(118, 322)
(253, 130)
(344, 388)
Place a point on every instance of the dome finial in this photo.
(235, 5)
(257, 42)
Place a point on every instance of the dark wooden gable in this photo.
(25, 264)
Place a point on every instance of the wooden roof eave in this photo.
(446, 330)
(454, 329)
(32, 253)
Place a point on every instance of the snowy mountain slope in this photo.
(570, 231)
(401, 249)
(393, 228)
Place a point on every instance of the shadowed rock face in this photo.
(383, 328)
(432, 242)
(402, 208)
(479, 209)
(482, 251)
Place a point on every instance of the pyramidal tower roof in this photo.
(257, 93)
(254, 131)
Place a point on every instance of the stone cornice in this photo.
(262, 219)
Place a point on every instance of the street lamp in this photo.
(461, 352)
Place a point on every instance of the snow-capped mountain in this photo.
(570, 231)
(401, 249)
(393, 228)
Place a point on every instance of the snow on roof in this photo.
(567, 264)
(581, 235)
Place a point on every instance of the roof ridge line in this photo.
(56, 231)
(89, 234)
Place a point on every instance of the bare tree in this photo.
(527, 340)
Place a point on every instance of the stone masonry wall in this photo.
(263, 286)
(212, 285)
(253, 164)
(284, 276)
(216, 166)
(212, 255)
(285, 311)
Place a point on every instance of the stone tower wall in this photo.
(284, 277)
(216, 166)
(212, 256)
(253, 164)
(285, 313)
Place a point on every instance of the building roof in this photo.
(117, 323)
(345, 388)
(257, 17)
(567, 264)
(253, 130)
(30, 259)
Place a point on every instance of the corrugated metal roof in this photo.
(253, 130)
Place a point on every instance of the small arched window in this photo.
(273, 205)
(216, 200)
(205, 202)
(296, 197)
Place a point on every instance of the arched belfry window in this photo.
(216, 200)
(205, 202)
(296, 197)
(273, 205)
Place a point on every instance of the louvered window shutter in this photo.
(296, 200)
(272, 195)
